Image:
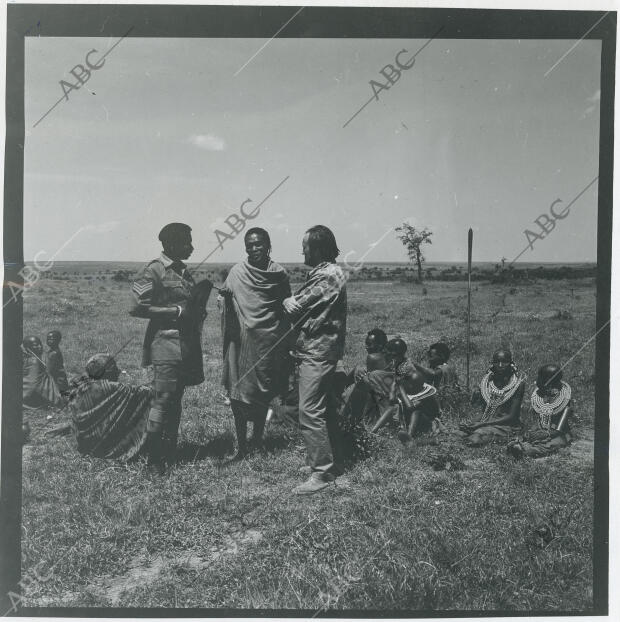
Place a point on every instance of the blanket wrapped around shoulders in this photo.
(109, 418)
(39, 388)
(256, 333)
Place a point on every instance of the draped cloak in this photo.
(39, 388)
(109, 418)
(256, 333)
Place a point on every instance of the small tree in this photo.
(412, 240)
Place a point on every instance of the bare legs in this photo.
(243, 412)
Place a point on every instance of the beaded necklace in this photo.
(427, 391)
(548, 409)
(495, 396)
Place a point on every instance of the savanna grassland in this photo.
(393, 533)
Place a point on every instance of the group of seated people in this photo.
(393, 389)
(109, 418)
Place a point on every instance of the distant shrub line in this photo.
(376, 273)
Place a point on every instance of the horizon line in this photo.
(442, 261)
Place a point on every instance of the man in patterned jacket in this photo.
(162, 293)
(319, 311)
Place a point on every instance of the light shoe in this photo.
(337, 471)
(315, 483)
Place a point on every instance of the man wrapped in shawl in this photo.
(256, 336)
(39, 388)
(109, 419)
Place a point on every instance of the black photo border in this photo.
(262, 22)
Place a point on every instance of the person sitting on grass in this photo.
(375, 385)
(361, 405)
(39, 388)
(54, 360)
(501, 391)
(440, 372)
(396, 352)
(416, 403)
(370, 393)
(109, 418)
(551, 401)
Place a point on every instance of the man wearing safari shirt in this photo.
(162, 293)
(319, 312)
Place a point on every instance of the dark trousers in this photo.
(317, 414)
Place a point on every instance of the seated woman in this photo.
(417, 405)
(39, 388)
(551, 401)
(440, 372)
(108, 418)
(501, 390)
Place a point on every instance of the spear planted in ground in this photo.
(470, 239)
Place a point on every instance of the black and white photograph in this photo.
(311, 309)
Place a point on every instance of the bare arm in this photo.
(432, 375)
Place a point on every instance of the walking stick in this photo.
(470, 238)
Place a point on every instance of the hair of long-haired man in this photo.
(321, 237)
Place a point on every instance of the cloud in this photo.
(208, 142)
(596, 97)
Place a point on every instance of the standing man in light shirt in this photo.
(319, 311)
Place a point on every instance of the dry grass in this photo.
(392, 534)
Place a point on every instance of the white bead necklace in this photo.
(495, 396)
(547, 409)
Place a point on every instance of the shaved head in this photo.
(33, 344)
(549, 377)
(413, 383)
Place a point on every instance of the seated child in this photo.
(396, 352)
(551, 401)
(417, 404)
(382, 381)
(420, 407)
(364, 401)
(375, 343)
(54, 360)
(361, 404)
(39, 388)
(501, 392)
(440, 372)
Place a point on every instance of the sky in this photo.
(477, 133)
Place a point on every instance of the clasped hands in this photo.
(291, 305)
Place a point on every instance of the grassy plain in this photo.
(392, 534)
